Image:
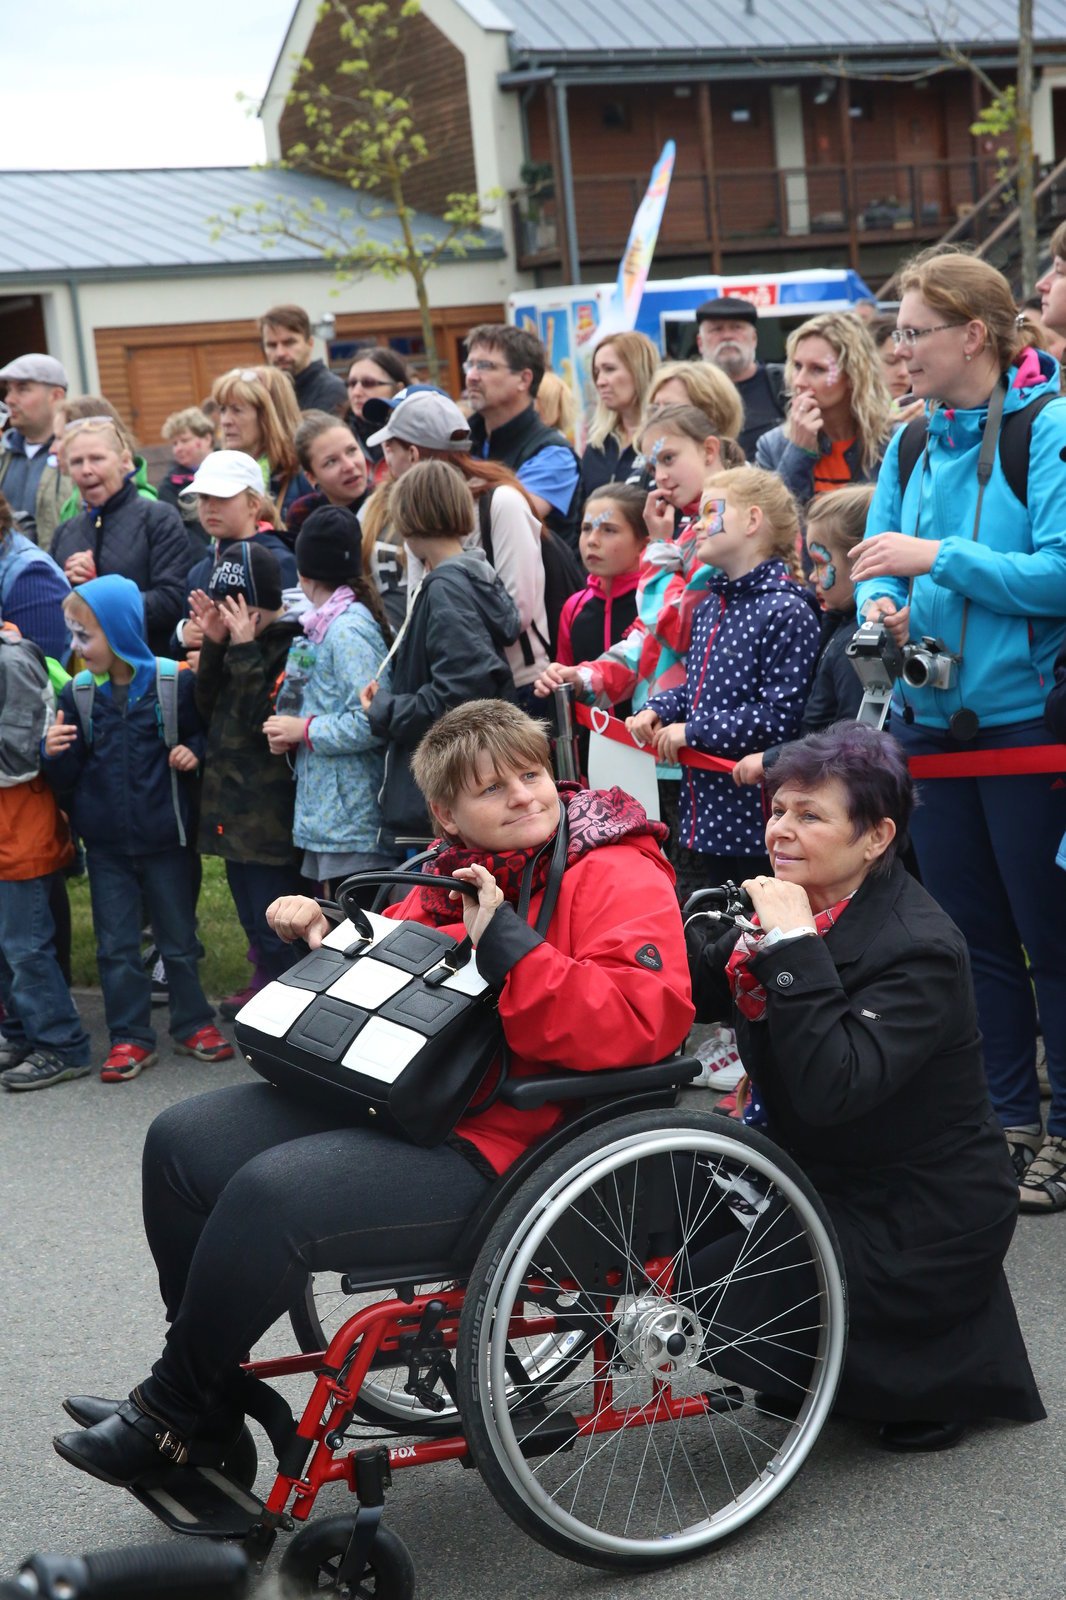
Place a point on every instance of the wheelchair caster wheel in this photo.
(311, 1564)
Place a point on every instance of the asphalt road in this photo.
(80, 1313)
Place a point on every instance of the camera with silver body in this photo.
(878, 660)
(930, 665)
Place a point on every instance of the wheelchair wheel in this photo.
(311, 1562)
(381, 1400)
(704, 1273)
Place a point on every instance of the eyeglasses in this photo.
(368, 383)
(484, 366)
(910, 336)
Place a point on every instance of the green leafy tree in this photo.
(360, 130)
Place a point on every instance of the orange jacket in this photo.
(34, 837)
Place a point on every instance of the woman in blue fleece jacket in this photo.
(985, 575)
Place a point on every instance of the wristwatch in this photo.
(777, 936)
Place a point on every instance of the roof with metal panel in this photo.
(153, 221)
(554, 28)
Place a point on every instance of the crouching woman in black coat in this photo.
(854, 1010)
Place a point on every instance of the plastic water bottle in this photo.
(298, 669)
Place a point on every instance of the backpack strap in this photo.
(1015, 444)
(911, 445)
(484, 517)
(775, 377)
(83, 688)
(1015, 440)
(166, 689)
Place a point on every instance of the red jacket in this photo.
(590, 996)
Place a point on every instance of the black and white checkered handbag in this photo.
(388, 1021)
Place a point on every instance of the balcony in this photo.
(771, 208)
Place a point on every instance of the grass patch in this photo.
(224, 968)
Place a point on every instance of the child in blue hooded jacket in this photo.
(132, 817)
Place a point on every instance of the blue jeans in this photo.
(40, 1011)
(118, 884)
(253, 885)
(986, 849)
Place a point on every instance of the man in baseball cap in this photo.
(727, 334)
(30, 474)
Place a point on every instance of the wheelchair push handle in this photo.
(202, 1571)
(727, 903)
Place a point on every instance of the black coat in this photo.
(451, 652)
(319, 389)
(140, 539)
(869, 1065)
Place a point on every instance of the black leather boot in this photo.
(124, 1447)
(89, 1409)
(918, 1436)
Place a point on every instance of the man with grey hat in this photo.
(30, 474)
(727, 334)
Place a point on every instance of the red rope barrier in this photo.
(962, 764)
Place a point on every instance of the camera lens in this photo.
(916, 670)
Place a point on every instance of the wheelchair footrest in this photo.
(200, 1501)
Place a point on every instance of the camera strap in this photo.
(985, 463)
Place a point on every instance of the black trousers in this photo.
(245, 1192)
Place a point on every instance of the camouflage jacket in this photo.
(247, 799)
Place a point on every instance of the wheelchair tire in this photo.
(601, 1469)
(311, 1561)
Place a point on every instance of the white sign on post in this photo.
(613, 765)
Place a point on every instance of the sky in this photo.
(135, 83)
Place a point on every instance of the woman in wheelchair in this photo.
(247, 1190)
(855, 1019)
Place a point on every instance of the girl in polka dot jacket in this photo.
(748, 667)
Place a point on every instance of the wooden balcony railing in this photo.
(776, 208)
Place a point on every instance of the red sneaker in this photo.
(126, 1061)
(206, 1044)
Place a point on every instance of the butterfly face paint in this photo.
(712, 515)
(591, 523)
(827, 571)
(832, 374)
(656, 450)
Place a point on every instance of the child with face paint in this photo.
(613, 539)
(754, 639)
(835, 526)
(681, 449)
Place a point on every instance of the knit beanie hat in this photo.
(329, 546)
(247, 567)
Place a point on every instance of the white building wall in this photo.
(157, 302)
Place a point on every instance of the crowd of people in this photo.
(258, 657)
(329, 566)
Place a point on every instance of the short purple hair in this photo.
(870, 765)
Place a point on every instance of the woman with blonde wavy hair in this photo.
(839, 420)
(703, 385)
(622, 369)
(259, 415)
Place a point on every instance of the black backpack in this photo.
(563, 576)
(1015, 436)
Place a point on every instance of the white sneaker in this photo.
(722, 1067)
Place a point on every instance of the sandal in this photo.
(1043, 1184)
(1023, 1147)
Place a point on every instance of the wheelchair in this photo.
(636, 1344)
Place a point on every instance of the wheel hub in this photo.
(654, 1332)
